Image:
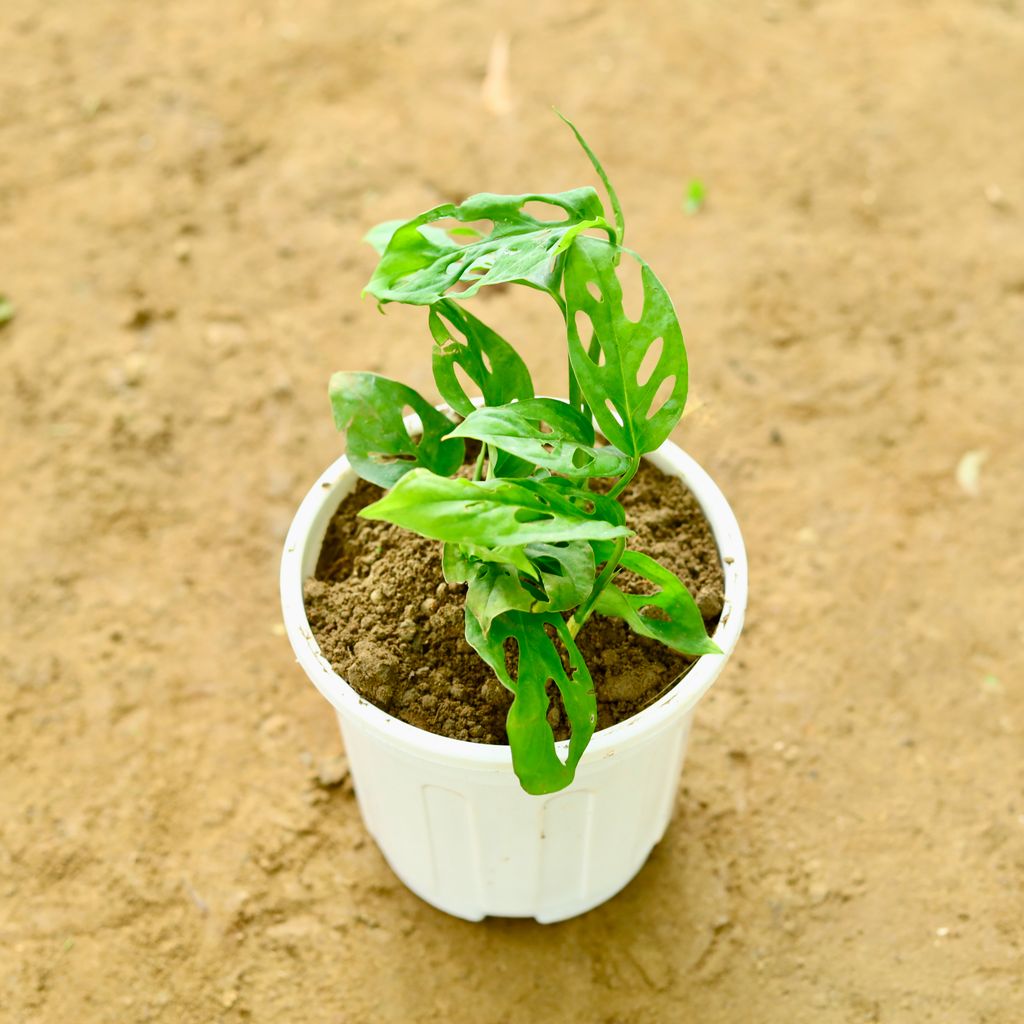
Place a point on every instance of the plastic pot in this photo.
(449, 815)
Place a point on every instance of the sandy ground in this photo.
(182, 191)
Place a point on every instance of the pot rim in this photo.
(310, 524)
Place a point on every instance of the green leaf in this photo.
(420, 267)
(566, 573)
(620, 222)
(510, 554)
(496, 512)
(608, 364)
(557, 577)
(567, 447)
(380, 235)
(685, 630)
(495, 589)
(368, 408)
(538, 661)
(489, 361)
(494, 586)
(696, 194)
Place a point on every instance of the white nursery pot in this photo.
(449, 815)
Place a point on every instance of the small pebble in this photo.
(376, 596)
(332, 772)
(428, 605)
(441, 590)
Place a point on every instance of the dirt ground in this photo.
(182, 192)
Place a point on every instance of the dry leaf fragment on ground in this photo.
(968, 471)
(495, 92)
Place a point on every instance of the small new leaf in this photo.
(538, 661)
(368, 409)
(556, 577)
(607, 365)
(684, 628)
(620, 222)
(496, 512)
(566, 447)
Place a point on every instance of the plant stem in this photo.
(626, 477)
(478, 469)
(578, 620)
(583, 613)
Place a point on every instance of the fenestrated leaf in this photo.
(567, 447)
(489, 361)
(608, 371)
(684, 631)
(538, 661)
(420, 268)
(368, 408)
(497, 512)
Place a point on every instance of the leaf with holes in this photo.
(368, 409)
(566, 447)
(538, 661)
(684, 628)
(489, 361)
(420, 266)
(629, 410)
(496, 512)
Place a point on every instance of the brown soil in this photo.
(388, 623)
(183, 187)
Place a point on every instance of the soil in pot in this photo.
(389, 624)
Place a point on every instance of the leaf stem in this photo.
(478, 469)
(578, 620)
(623, 481)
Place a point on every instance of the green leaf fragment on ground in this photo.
(696, 194)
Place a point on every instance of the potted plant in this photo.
(534, 542)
